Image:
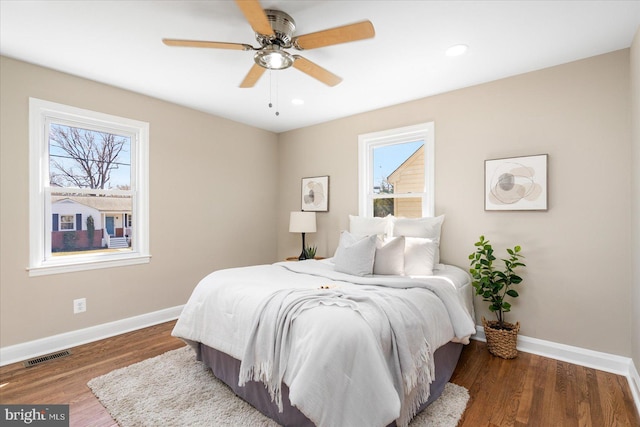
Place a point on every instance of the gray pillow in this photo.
(355, 255)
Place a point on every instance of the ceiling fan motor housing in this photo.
(283, 26)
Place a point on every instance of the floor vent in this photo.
(38, 360)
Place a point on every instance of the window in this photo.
(88, 189)
(67, 222)
(396, 172)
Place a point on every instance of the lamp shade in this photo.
(302, 222)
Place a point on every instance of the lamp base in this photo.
(303, 254)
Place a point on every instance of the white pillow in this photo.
(418, 227)
(365, 226)
(389, 257)
(429, 227)
(419, 256)
(355, 255)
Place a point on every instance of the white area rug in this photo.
(176, 390)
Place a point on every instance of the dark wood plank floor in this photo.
(527, 391)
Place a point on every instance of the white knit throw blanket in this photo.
(410, 362)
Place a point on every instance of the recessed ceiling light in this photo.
(457, 50)
(297, 101)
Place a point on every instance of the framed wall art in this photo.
(315, 194)
(516, 183)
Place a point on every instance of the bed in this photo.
(334, 342)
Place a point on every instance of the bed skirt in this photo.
(226, 368)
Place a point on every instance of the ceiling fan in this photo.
(275, 33)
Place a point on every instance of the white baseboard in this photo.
(579, 356)
(634, 384)
(28, 350)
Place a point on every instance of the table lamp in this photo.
(302, 222)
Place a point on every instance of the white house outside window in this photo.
(396, 172)
(88, 189)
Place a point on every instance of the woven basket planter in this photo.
(501, 342)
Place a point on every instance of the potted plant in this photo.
(310, 252)
(494, 286)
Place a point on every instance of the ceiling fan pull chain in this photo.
(277, 98)
(271, 92)
(270, 85)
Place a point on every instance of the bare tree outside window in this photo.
(383, 207)
(82, 158)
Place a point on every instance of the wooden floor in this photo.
(527, 391)
(532, 390)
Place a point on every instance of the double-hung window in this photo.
(396, 172)
(67, 222)
(88, 189)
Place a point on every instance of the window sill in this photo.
(49, 267)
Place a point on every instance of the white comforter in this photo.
(338, 367)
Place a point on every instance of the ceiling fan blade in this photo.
(205, 44)
(254, 13)
(347, 33)
(315, 71)
(252, 76)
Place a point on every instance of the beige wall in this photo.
(635, 196)
(577, 286)
(205, 214)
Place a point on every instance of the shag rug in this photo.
(174, 389)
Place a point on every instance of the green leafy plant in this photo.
(492, 284)
(310, 251)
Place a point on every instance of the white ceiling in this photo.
(119, 43)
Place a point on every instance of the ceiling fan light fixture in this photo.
(273, 58)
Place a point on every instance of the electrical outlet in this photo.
(79, 305)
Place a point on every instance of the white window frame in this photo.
(41, 114)
(73, 223)
(368, 142)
